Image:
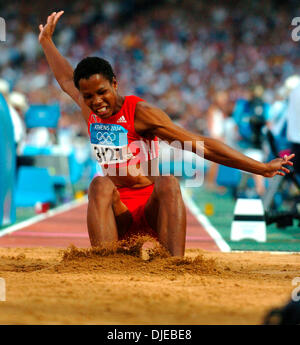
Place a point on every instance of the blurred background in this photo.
(225, 69)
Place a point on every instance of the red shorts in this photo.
(135, 199)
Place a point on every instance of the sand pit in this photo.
(116, 286)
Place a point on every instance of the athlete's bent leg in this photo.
(165, 212)
(103, 207)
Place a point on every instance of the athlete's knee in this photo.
(101, 187)
(169, 187)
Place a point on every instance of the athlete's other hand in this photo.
(46, 31)
(277, 166)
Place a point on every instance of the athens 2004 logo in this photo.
(106, 137)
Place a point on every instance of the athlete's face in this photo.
(100, 95)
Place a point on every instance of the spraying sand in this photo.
(124, 283)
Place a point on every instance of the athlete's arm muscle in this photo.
(60, 67)
(150, 120)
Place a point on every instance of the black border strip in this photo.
(251, 218)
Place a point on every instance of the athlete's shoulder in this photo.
(144, 106)
(148, 116)
(134, 99)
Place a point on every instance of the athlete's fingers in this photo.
(57, 16)
(287, 158)
(285, 169)
(53, 17)
(287, 163)
(41, 27)
(50, 18)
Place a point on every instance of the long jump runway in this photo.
(69, 227)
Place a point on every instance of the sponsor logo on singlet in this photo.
(110, 143)
(122, 120)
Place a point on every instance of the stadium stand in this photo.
(164, 54)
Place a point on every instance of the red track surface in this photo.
(69, 227)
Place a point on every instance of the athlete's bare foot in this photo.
(147, 249)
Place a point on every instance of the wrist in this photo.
(45, 40)
(264, 169)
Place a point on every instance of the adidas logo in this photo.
(122, 120)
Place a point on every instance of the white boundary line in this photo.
(210, 229)
(265, 252)
(220, 242)
(60, 209)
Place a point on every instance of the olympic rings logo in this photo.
(106, 137)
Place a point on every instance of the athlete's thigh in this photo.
(151, 211)
(162, 193)
(122, 214)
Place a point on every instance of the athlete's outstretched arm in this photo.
(59, 65)
(153, 121)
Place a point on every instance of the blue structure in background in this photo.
(64, 169)
(34, 185)
(42, 115)
(228, 177)
(7, 166)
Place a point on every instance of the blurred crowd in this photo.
(194, 59)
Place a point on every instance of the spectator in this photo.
(217, 114)
(18, 102)
(18, 124)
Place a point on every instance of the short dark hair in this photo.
(93, 65)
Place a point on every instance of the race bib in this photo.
(109, 143)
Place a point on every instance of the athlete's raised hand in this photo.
(277, 166)
(46, 31)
